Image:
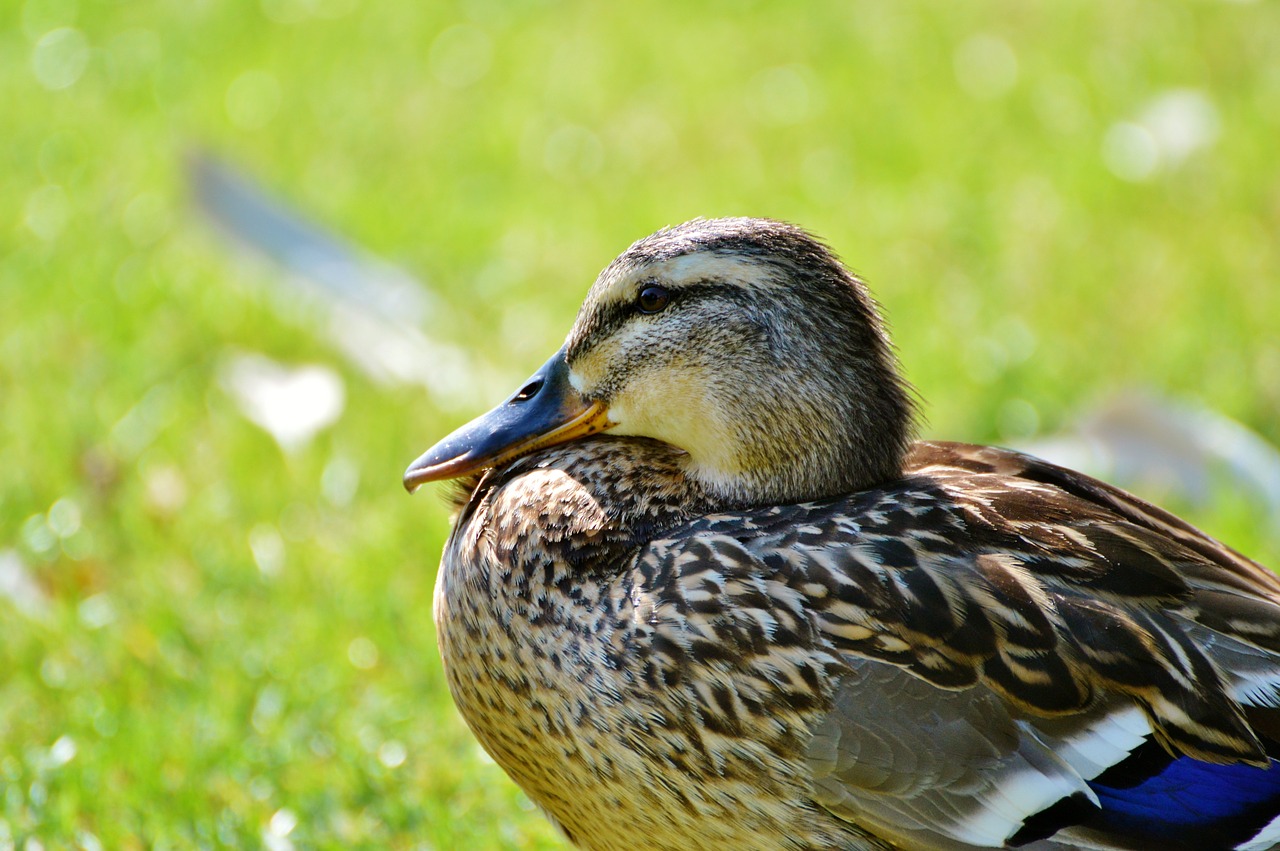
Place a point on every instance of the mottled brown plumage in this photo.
(753, 614)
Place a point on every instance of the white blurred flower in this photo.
(19, 587)
(62, 752)
(292, 405)
(1167, 129)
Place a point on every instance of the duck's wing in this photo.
(1236, 570)
(1029, 654)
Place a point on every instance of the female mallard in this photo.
(755, 614)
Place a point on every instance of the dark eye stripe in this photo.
(612, 317)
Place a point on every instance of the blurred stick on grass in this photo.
(376, 311)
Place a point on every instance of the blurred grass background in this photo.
(208, 642)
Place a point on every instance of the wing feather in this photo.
(1009, 629)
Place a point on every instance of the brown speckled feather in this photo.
(646, 699)
(708, 647)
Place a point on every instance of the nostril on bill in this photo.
(528, 391)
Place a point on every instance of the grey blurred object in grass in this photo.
(1158, 446)
(375, 310)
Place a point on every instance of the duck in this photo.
(705, 589)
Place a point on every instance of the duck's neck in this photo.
(795, 451)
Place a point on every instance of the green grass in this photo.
(172, 694)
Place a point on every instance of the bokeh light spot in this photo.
(268, 548)
(362, 653)
(986, 67)
(392, 754)
(1130, 152)
(460, 56)
(60, 57)
(785, 95)
(47, 211)
(573, 152)
(146, 219)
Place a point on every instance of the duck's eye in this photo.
(652, 299)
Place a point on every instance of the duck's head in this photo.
(742, 342)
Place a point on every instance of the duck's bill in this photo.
(543, 412)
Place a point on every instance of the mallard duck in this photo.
(705, 590)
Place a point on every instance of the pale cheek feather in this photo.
(590, 370)
(679, 411)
